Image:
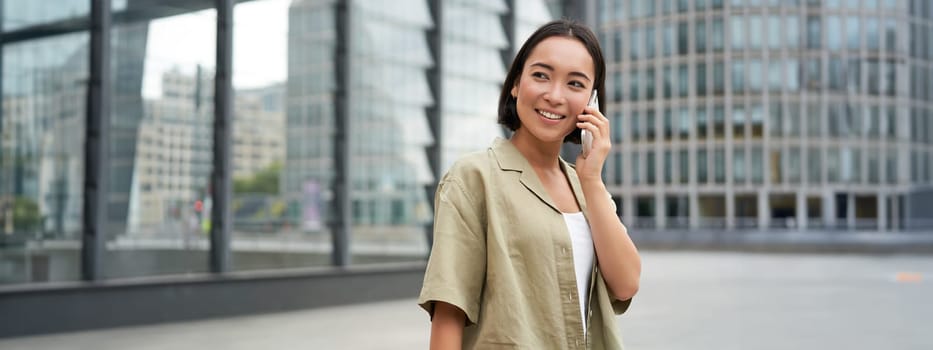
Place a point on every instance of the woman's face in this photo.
(554, 87)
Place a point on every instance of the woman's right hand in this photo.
(447, 327)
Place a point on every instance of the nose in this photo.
(555, 94)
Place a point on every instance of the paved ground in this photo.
(687, 301)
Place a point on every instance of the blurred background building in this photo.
(729, 116)
(770, 114)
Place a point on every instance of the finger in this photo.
(592, 128)
(595, 111)
(601, 123)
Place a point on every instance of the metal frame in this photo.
(97, 142)
(221, 178)
(435, 112)
(7, 199)
(340, 220)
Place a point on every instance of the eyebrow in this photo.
(548, 67)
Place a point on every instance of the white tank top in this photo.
(583, 255)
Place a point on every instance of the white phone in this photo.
(586, 139)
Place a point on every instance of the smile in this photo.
(550, 115)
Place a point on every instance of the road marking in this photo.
(908, 277)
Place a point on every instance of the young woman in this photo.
(528, 250)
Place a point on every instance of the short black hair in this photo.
(508, 115)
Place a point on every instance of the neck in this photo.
(541, 155)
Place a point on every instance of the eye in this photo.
(539, 75)
(577, 84)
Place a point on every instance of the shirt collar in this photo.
(510, 159)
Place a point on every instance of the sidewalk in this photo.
(687, 300)
(386, 325)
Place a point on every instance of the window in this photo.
(684, 125)
(776, 165)
(833, 165)
(836, 76)
(834, 33)
(668, 43)
(874, 167)
(701, 166)
(668, 81)
(792, 120)
(718, 36)
(738, 77)
(701, 79)
(719, 121)
(634, 84)
(719, 78)
(637, 131)
(636, 168)
(618, 171)
(702, 123)
(668, 167)
(873, 124)
(737, 28)
(682, 80)
(683, 36)
(890, 35)
(775, 119)
(684, 166)
(774, 32)
(719, 162)
(738, 165)
(650, 126)
(649, 84)
(793, 165)
(618, 129)
(756, 32)
(757, 165)
(700, 36)
(791, 31)
(617, 86)
(756, 119)
(814, 165)
(738, 121)
(755, 75)
(812, 76)
(791, 76)
(852, 33)
(649, 42)
(872, 34)
(650, 168)
(634, 43)
(814, 32)
(891, 160)
(617, 52)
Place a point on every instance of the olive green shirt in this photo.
(503, 255)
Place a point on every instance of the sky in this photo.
(260, 37)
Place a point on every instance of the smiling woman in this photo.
(528, 251)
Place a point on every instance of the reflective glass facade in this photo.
(778, 102)
(161, 152)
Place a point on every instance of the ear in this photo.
(515, 91)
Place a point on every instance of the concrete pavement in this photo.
(688, 300)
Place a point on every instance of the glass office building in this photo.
(800, 114)
(161, 153)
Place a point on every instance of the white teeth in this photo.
(551, 116)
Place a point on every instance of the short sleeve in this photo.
(456, 269)
(620, 306)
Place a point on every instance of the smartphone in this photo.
(585, 137)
